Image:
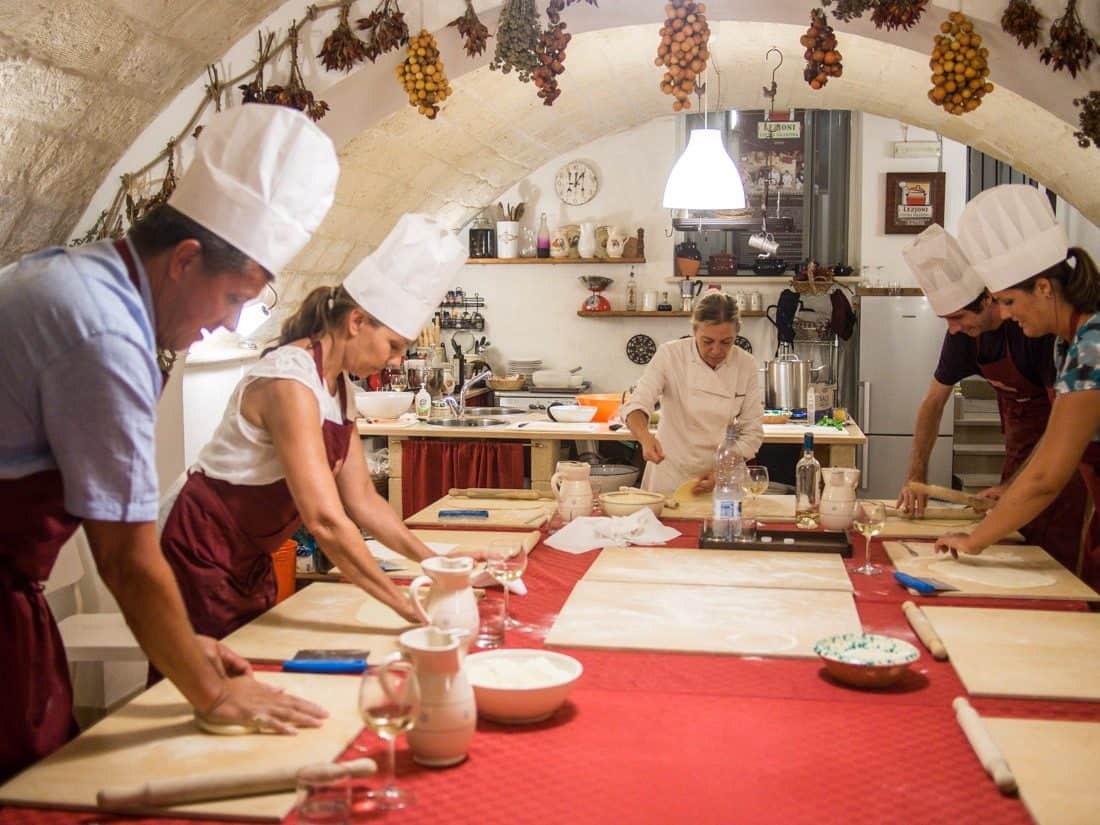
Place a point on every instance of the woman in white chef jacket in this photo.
(703, 382)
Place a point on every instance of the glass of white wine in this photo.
(389, 700)
(505, 560)
(869, 518)
(756, 482)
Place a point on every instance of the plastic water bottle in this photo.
(730, 474)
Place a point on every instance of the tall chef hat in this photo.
(1009, 233)
(942, 270)
(402, 282)
(262, 179)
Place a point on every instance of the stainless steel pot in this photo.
(786, 382)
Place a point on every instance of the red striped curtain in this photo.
(430, 467)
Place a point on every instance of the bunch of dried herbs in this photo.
(473, 32)
(1071, 47)
(253, 91)
(848, 10)
(1022, 20)
(342, 49)
(1089, 120)
(386, 29)
(897, 14)
(295, 95)
(517, 38)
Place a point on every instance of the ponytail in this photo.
(322, 309)
(1079, 284)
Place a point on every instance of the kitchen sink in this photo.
(465, 422)
(482, 412)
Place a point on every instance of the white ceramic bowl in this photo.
(866, 659)
(608, 478)
(625, 502)
(571, 413)
(383, 404)
(520, 686)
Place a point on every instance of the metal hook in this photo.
(770, 91)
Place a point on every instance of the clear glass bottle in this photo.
(807, 484)
(730, 473)
(631, 293)
(542, 242)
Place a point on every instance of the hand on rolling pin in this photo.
(264, 708)
(955, 543)
(225, 661)
(911, 502)
(993, 493)
(652, 450)
(704, 484)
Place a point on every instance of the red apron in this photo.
(219, 537)
(1025, 409)
(36, 697)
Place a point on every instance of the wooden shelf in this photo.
(622, 313)
(585, 261)
(784, 278)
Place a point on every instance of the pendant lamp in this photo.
(705, 176)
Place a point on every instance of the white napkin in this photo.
(588, 533)
(481, 578)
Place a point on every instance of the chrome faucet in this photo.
(460, 408)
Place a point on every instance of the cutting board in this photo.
(320, 616)
(1054, 763)
(502, 512)
(766, 508)
(1025, 571)
(749, 621)
(154, 737)
(747, 568)
(1033, 654)
(441, 541)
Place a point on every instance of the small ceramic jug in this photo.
(586, 246)
(447, 718)
(616, 240)
(559, 244)
(839, 497)
(572, 488)
(451, 604)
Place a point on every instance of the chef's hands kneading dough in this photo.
(237, 711)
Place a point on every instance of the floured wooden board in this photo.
(700, 619)
(154, 737)
(1033, 654)
(1019, 571)
(700, 506)
(441, 541)
(514, 513)
(899, 527)
(320, 616)
(736, 568)
(1054, 763)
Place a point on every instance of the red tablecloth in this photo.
(669, 738)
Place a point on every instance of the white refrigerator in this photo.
(899, 346)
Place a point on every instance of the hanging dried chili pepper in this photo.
(474, 33)
(897, 14)
(343, 48)
(1071, 47)
(295, 95)
(1022, 20)
(386, 29)
(1089, 120)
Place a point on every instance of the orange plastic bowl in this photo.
(606, 404)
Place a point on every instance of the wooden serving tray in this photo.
(803, 542)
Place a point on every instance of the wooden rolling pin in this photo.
(947, 494)
(159, 793)
(939, 514)
(986, 749)
(924, 630)
(487, 492)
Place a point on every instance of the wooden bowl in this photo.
(866, 660)
(510, 382)
(775, 417)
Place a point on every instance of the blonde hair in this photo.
(323, 309)
(716, 308)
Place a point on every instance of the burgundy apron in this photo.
(219, 537)
(1025, 409)
(36, 698)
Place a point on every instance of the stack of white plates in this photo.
(524, 366)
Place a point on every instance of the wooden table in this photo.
(833, 448)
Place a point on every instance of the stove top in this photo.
(547, 391)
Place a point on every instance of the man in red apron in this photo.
(1020, 369)
(86, 338)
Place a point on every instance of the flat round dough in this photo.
(379, 616)
(991, 575)
(684, 494)
(223, 730)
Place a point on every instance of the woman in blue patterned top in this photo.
(1011, 237)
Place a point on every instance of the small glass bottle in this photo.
(729, 476)
(542, 242)
(807, 485)
(631, 293)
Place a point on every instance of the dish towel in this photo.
(592, 532)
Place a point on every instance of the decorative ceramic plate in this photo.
(744, 343)
(640, 349)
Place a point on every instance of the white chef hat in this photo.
(942, 270)
(262, 179)
(1009, 233)
(402, 282)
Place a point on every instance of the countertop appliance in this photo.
(539, 399)
(899, 346)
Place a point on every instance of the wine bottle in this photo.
(807, 480)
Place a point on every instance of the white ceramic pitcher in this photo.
(451, 604)
(572, 486)
(839, 497)
(448, 715)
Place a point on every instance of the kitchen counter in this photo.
(833, 448)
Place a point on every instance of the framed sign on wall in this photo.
(914, 201)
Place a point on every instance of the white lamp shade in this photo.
(705, 176)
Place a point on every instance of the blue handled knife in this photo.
(324, 665)
(464, 514)
(925, 586)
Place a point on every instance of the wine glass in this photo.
(756, 481)
(505, 560)
(389, 699)
(869, 518)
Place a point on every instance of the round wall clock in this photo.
(640, 349)
(576, 183)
